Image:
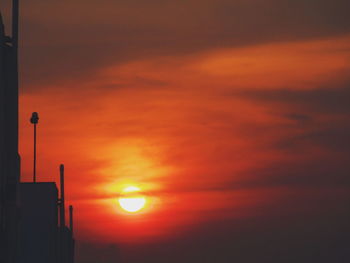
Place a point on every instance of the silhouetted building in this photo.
(32, 220)
(38, 232)
(9, 157)
(43, 234)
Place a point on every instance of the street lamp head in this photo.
(35, 118)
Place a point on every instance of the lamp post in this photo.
(34, 120)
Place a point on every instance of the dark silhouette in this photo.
(32, 217)
(66, 241)
(34, 120)
(38, 224)
(9, 157)
(43, 234)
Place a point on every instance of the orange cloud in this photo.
(193, 131)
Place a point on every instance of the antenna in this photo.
(62, 208)
(34, 120)
(71, 218)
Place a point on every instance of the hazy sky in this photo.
(232, 116)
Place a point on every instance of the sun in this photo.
(132, 204)
(131, 200)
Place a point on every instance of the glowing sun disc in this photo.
(132, 204)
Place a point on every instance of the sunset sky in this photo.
(231, 116)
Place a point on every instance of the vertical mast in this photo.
(71, 218)
(34, 120)
(12, 99)
(62, 208)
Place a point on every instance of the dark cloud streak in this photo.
(65, 40)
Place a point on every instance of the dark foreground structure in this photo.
(38, 226)
(43, 234)
(9, 157)
(32, 215)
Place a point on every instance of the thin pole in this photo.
(34, 164)
(62, 207)
(34, 120)
(62, 215)
(71, 218)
